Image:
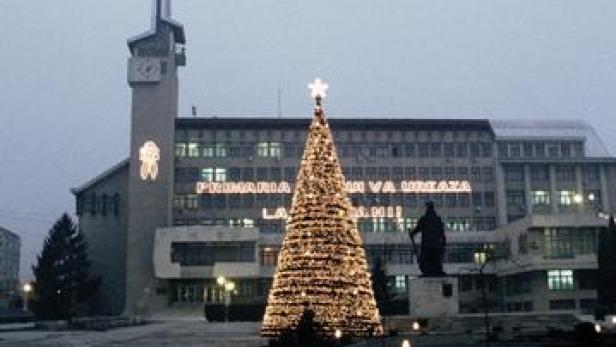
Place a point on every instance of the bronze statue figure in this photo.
(433, 242)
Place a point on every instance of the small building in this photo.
(9, 267)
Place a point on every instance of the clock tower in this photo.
(152, 76)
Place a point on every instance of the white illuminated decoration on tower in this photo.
(149, 155)
(322, 264)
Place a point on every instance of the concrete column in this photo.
(553, 192)
(579, 189)
(501, 200)
(528, 190)
(605, 194)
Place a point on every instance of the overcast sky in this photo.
(64, 101)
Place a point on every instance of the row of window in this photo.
(475, 174)
(366, 225)
(540, 149)
(209, 253)
(417, 150)
(102, 204)
(384, 225)
(469, 282)
(519, 306)
(560, 280)
(564, 280)
(564, 198)
(563, 173)
(565, 243)
(391, 253)
(209, 291)
(410, 200)
(270, 149)
(265, 225)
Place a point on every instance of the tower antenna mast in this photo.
(279, 102)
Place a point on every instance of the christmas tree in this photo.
(322, 264)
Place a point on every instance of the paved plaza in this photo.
(201, 333)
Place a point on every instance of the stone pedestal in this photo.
(432, 297)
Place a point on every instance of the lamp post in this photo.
(228, 288)
(481, 260)
(27, 288)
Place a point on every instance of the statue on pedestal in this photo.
(433, 242)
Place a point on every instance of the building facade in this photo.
(200, 198)
(9, 267)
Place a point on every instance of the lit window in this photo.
(207, 174)
(220, 174)
(193, 149)
(221, 150)
(180, 149)
(235, 222)
(560, 280)
(210, 174)
(192, 201)
(248, 223)
(566, 197)
(458, 223)
(404, 224)
(268, 256)
(268, 149)
(178, 201)
(208, 151)
(540, 197)
(400, 282)
(379, 225)
(215, 150)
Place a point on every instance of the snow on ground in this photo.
(170, 333)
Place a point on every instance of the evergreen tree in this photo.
(379, 285)
(63, 287)
(606, 259)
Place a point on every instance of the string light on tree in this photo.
(322, 263)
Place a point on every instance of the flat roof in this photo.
(552, 129)
(335, 123)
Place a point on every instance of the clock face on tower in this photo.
(144, 70)
(149, 68)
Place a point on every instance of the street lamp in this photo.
(578, 198)
(228, 287)
(416, 326)
(338, 334)
(481, 260)
(27, 288)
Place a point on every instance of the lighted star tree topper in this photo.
(322, 262)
